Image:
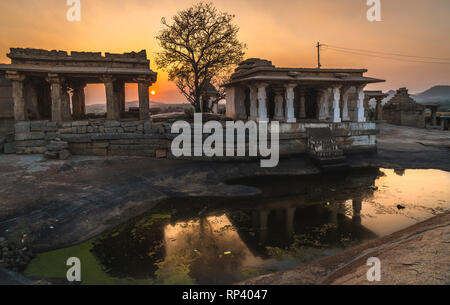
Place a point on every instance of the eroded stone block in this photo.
(29, 136)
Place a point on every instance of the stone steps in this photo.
(324, 151)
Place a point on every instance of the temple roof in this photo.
(260, 70)
(90, 64)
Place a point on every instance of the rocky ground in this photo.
(52, 204)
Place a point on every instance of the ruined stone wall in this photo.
(392, 116)
(404, 111)
(144, 138)
(413, 119)
(93, 137)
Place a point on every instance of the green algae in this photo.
(52, 265)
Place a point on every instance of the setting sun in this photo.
(152, 92)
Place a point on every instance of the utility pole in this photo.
(318, 55)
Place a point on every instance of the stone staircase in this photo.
(323, 149)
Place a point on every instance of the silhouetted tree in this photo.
(200, 46)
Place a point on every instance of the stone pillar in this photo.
(34, 99)
(253, 103)
(31, 99)
(302, 114)
(434, 116)
(290, 96)
(56, 95)
(65, 104)
(78, 101)
(360, 117)
(20, 108)
(262, 103)
(279, 107)
(379, 109)
(345, 92)
(322, 102)
(336, 106)
(112, 108)
(119, 94)
(144, 100)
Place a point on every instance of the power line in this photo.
(384, 57)
(386, 53)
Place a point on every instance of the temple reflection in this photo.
(292, 221)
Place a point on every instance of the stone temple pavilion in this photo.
(41, 81)
(304, 100)
(42, 104)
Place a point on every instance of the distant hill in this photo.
(436, 94)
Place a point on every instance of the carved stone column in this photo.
(65, 103)
(262, 103)
(253, 103)
(302, 112)
(112, 109)
(78, 100)
(119, 94)
(379, 109)
(360, 116)
(20, 109)
(345, 92)
(336, 101)
(322, 101)
(290, 96)
(144, 99)
(279, 107)
(56, 94)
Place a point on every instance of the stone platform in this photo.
(101, 137)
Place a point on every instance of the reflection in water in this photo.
(294, 220)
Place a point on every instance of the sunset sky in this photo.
(283, 31)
